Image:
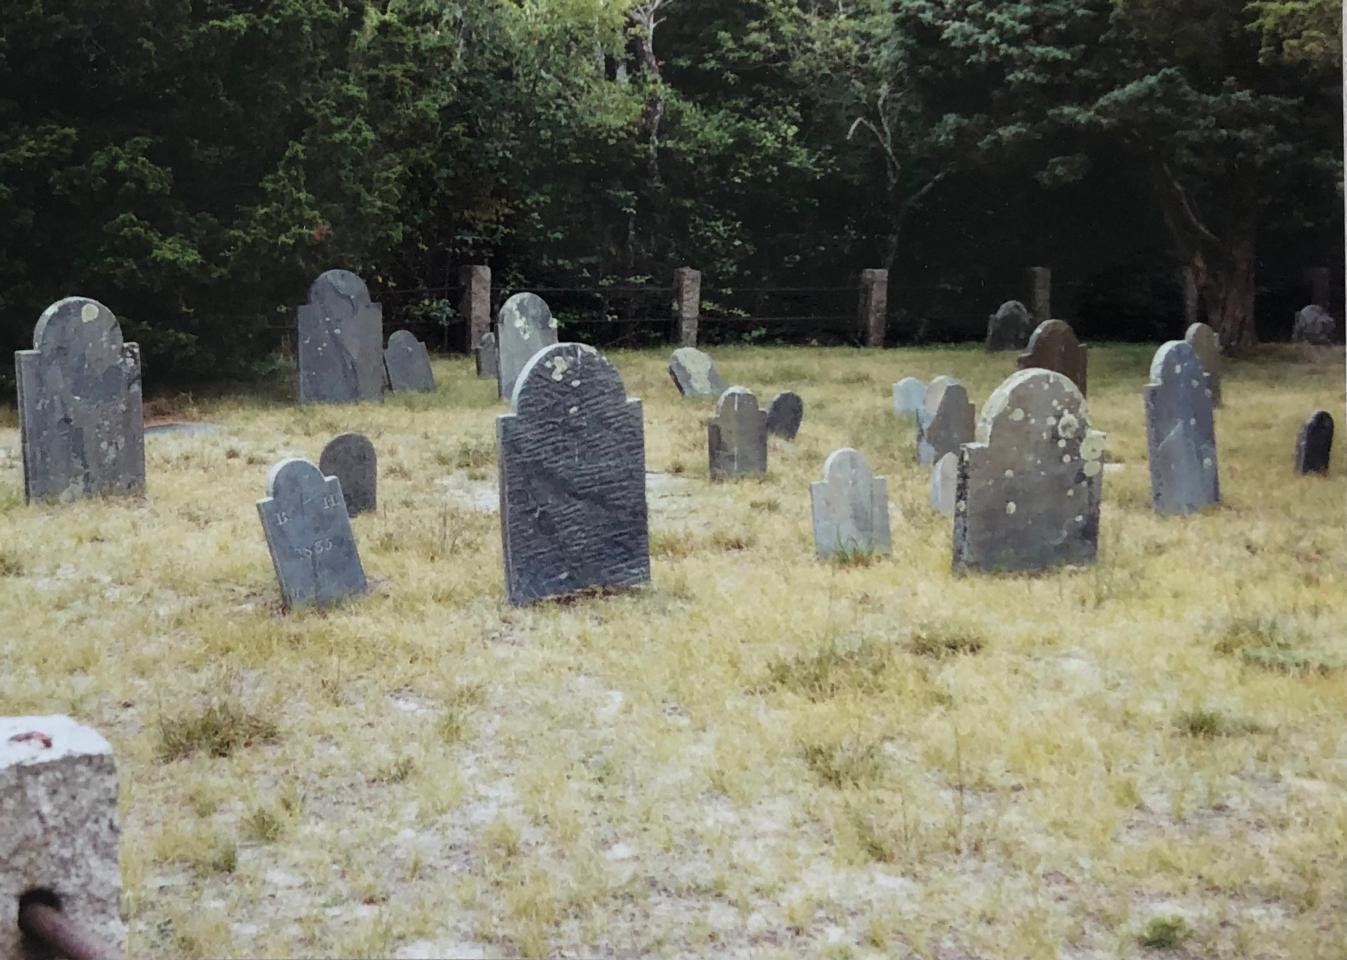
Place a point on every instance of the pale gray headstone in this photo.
(1313, 324)
(81, 422)
(1314, 445)
(1180, 432)
(408, 364)
(341, 357)
(571, 460)
(1207, 345)
(945, 420)
(1010, 327)
(850, 507)
(1054, 346)
(350, 457)
(486, 357)
(784, 415)
(694, 374)
(737, 435)
(524, 327)
(909, 396)
(945, 484)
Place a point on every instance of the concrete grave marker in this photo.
(81, 422)
(695, 374)
(350, 458)
(1207, 345)
(341, 357)
(784, 415)
(945, 420)
(486, 357)
(1054, 346)
(945, 484)
(408, 364)
(524, 327)
(571, 460)
(1180, 432)
(909, 396)
(1313, 324)
(309, 536)
(850, 507)
(1314, 446)
(1009, 327)
(737, 435)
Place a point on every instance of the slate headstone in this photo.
(81, 422)
(945, 420)
(341, 357)
(945, 484)
(737, 435)
(350, 458)
(694, 373)
(486, 357)
(1180, 432)
(571, 461)
(784, 415)
(1315, 325)
(1029, 488)
(1207, 345)
(909, 396)
(309, 536)
(408, 364)
(524, 326)
(1054, 346)
(1314, 446)
(850, 507)
(1009, 327)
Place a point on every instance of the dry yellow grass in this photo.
(759, 755)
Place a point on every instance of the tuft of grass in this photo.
(671, 543)
(827, 673)
(218, 730)
(1204, 724)
(1164, 933)
(265, 824)
(932, 642)
(851, 763)
(452, 725)
(766, 506)
(853, 557)
(396, 772)
(10, 564)
(472, 453)
(1284, 660)
(725, 540)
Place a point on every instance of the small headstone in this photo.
(488, 366)
(909, 396)
(524, 327)
(850, 507)
(737, 435)
(571, 461)
(1009, 327)
(1314, 446)
(1054, 346)
(944, 484)
(945, 420)
(309, 536)
(784, 415)
(695, 374)
(341, 357)
(1180, 432)
(1314, 325)
(1029, 487)
(408, 364)
(81, 422)
(1207, 345)
(474, 303)
(350, 458)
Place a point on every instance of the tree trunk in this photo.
(1229, 289)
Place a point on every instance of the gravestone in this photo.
(524, 327)
(486, 357)
(945, 484)
(737, 435)
(474, 303)
(1054, 346)
(1009, 327)
(1314, 446)
(1207, 345)
(350, 458)
(1180, 432)
(81, 422)
(1313, 325)
(408, 364)
(1029, 487)
(309, 536)
(571, 461)
(687, 304)
(694, 374)
(945, 420)
(784, 415)
(909, 395)
(850, 507)
(341, 357)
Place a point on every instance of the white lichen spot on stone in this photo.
(575, 383)
(1017, 414)
(88, 312)
(1178, 368)
(1061, 443)
(1071, 492)
(1092, 447)
(1192, 421)
(1010, 507)
(1092, 468)
(1080, 518)
(1068, 426)
(559, 369)
(1206, 463)
(1066, 458)
(1195, 383)
(961, 506)
(1010, 474)
(552, 323)
(573, 411)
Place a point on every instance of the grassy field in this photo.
(760, 755)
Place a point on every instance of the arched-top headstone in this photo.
(571, 459)
(1029, 488)
(1314, 445)
(1207, 345)
(486, 357)
(408, 364)
(1054, 346)
(1180, 432)
(341, 357)
(694, 373)
(945, 420)
(945, 484)
(784, 415)
(309, 536)
(850, 507)
(1313, 324)
(1009, 327)
(909, 396)
(81, 421)
(350, 457)
(737, 435)
(524, 327)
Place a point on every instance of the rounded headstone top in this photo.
(343, 283)
(1012, 308)
(1170, 360)
(562, 372)
(78, 324)
(735, 393)
(523, 309)
(345, 441)
(292, 472)
(403, 339)
(846, 462)
(1051, 328)
(935, 393)
(1046, 394)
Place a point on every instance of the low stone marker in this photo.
(909, 396)
(486, 357)
(1009, 327)
(1207, 345)
(737, 435)
(1054, 346)
(1314, 446)
(58, 794)
(784, 415)
(945, 420)
(1180, 432)
(694, 373)
(81, 422)
(309, 536)
(350, 457)
(571, 459)
(524, 327)
(850, 507)
(408, 364)
(1029, 487)
(341, 357)
(1315, 325)
(945, 484)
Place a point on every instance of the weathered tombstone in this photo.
(694, 373)
(874, 305)
(524, 327)
(687, 304)
(1054, 346)
(341, 357)
(1314, 325)
(737, 435)
(1180, 432)
(1029, 487)
(945, 484)
(784, 415)
(850, 507)
(81, 422)
(1207, 345)
(408, 364)
(1009, 327)
(474, 303)
(909, 396)
(1040, 293)
(486, 357)
(350, 458)
(309, 536)
(1314, 446)
(945, 420)
(571, 460)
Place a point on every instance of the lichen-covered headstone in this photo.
(341, 357)
(695, 374)
(909, 396)
(784, 415)
(1207, 345)
(81, 422)
(408, 364)
(1054, 346)
(850, 507)
(571, 460)
(350, 457)
(1009, 327)
(1180, 432)
(1314, 446)
(309, 536)
(737, 435)
(945, 484)
(945, 420)
(1029, 488)
(1313, 324)
(486, 357)
(524, 327)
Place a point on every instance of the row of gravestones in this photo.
(694, 374)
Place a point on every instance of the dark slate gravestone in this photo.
(1009, 327)
(486, 358)
(850, 507)
(1028, 491)
(694, 374)
(1054, 347)
(1180, 432)
(309, 536)
(572, 478)
(784, 415)
(737, 435)
(341, 357)
(945, 420)
(909, 395)
(81, 423)
(1314, 446)
(1314, 325)
(350, 458)
(408, 364)
(1207, 345)
(525, 326)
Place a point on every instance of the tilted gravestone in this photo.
(408, 364)
(1009, 327)
(524, 327)
(1029, 488)
(1054, 346)
(850, 507)
(571, 461)
(694, 373)
(81, 422)
(784, 415)
(350, 458)
(341, 357)
(1207, 345)
(1180, 432)
(737, 435)
(486, 357)
(909, 395)
(1313, 324)
(945, 420)
(1314, 446)
(945, 484)
(309, 536)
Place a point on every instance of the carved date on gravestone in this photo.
(309, 536)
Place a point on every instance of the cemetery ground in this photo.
(760, 754)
